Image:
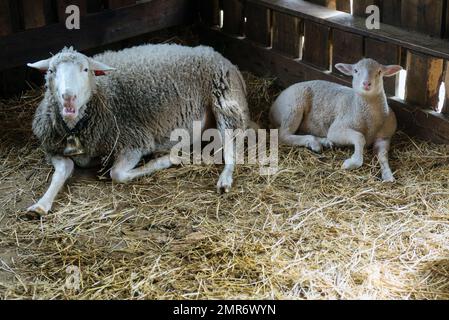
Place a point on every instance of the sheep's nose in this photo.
(68, 97)
(367, 84)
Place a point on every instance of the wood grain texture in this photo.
(114, 4)
(233, 19)
(98, 29)
(286, 34)
(5, 18)
(347, 47)
(209, 12)
(317, 44)
(424, 16)
(385, 53)
(445, 109)
(359, 6)
(391, 12)
(34, 13)
(344, 5)
(258, 24)
(424, 76)
(332, 4)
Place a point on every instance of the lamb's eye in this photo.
(356, 71)
(50, 71)
(86, 70)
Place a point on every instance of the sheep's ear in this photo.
(347, 69)
(391, 70)
(42, 65)
(99, 68)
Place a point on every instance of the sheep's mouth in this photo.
(69, 111)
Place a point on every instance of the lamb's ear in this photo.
(42, 65)
(391, 70)
(99, 68)
(347, 69)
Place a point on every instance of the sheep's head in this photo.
(70, 79)
(368, 75)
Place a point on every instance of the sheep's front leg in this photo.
(63, 170)
(381, 147)
(124, 169)
(345, 137)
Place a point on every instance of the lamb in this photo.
(145, 92)
(319, 114)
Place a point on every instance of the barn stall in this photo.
(311, 231)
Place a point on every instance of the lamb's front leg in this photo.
(346, 137)
(63, 170)
(381, 147)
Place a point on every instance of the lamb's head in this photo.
(368, 75)
(70, 80)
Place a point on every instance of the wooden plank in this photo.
(34, 13)
(423, 16)
(343, 21)
(391, 12)
(5, 18)
(385, 53)
(344, 5)
(265, 62)
(286, 34)
(258, 24)
(209, 12)
(424, 76)
(359, 6)
(347, 47)
(446, 25)
(97, 29)
(316, 44)
(94, 6)
(233, 19)
(325, 3)
(445, 109)
(115, 4)
(63, 4)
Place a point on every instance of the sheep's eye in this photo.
(86, 70)
(50, 71)
(356, 71)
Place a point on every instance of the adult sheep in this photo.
(131, 112)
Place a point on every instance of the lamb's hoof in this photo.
(224, 184)
(326, 143)
(37, 209)
(351, 164)
(388, 178)
(315, 146)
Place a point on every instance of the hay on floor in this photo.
(312, 231)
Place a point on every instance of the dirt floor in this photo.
(312, 231)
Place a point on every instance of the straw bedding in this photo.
(312, 231)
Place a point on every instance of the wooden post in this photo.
(424, 77)
(391, 12)
(34, 13)
(424, 16)
(385, 53)
(233, 19)
(286, 34)
(5, 18)
(317, 44)
(258, 24)
(209, 12)
(342, 41)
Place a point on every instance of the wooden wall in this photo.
(302, 40)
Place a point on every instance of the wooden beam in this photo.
(317, 44)
(445, 109)
(346, 22)
(5, 18)
(34, 13)
(332, 4)
(424, 16)
(233, 19)
(342, 41)
(266, 62)
(209, 12)
(115, 4)
(344, 5)
(97, 29)
(391, 12)
(424, 77)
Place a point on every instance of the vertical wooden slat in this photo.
(344, 5)
(385, 53)
(316, 44)
(63, 4)
(233, 17)
(359, 6)
(258, 24)
(446, 27)
(114, 4)
(34, 13)
(424, 16)
(445, 109)
(343, 40)
(391, 12)
(424, 76)
(209, 12)
(5, 18)
(286, 34)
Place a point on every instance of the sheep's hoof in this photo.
(224, 184)
(326, 143)
(352, 164)
(388, 178)
(39, 209)
(315, 146)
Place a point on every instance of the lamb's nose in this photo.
(366, 84)
(68, 97)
